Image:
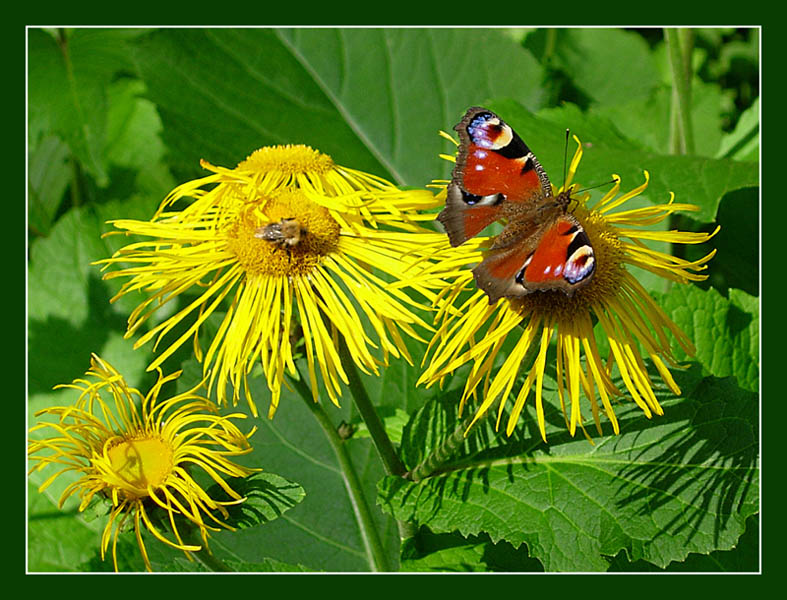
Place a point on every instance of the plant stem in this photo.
(441, 454)
(393, 465)
(445, 451)
(549, 44)
(679, 44)
(385, 448)
(374, 547)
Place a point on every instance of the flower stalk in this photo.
(371, 539)
(442, 454)
(393, 465)
(680, 44)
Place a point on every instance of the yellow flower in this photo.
(632, 324)
(299, 246)
(136, 452)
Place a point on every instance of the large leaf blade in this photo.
(683, 484)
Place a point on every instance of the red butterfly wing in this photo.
(562, 259)
(494, 166)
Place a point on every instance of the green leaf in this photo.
(607, 65)
(684, 483)
(268, 496)
(745, 557)
(68, 304)
(373, 99)
(322, 532)
(128, 556)
(393, 426)
(57, 540)
(133, 127)
(266, 565)
(743, 143)
(455, 553)
(467, 557)
(49, 172)
(647, 119)
(737, 242)
(725, 331)
(67, 82)
(396, 87)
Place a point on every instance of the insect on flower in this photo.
(287, 232)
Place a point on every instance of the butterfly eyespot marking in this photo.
(580, 265)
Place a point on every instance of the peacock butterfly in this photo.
(542, 246)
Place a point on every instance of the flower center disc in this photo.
(287, 234)
(140, 463)
(292, 159)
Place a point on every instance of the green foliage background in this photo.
(117, 117)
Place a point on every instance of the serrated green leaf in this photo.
(745, 557)
(268, 496)
(456, 553)
(457, 559)
(725, 331)
(684, 483)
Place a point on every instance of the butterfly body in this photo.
(543, 246)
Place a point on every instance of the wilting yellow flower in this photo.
(136, 451)
(631, 323)
(299, 246)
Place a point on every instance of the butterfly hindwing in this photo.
(561, 259)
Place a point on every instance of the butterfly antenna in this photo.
(565, 157)
(598, 185)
